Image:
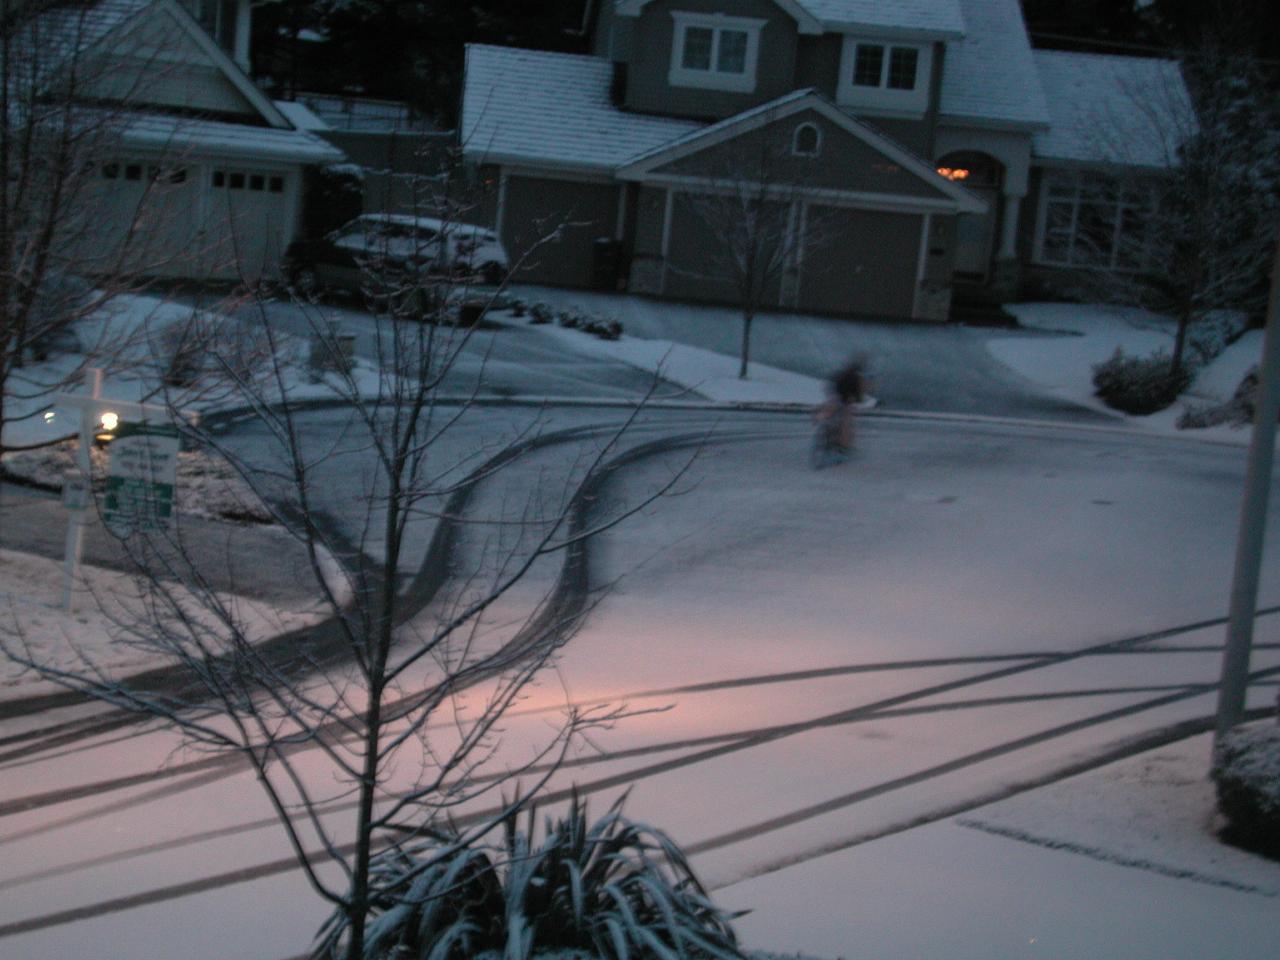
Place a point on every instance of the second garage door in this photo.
(860, 262)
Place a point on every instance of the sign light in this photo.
(954, 173)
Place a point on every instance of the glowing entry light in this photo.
(106, 430)
(954, 173)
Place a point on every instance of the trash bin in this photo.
(606, 256)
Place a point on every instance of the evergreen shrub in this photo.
(1139, 385)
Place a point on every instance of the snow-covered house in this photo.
(198, 173)
(936, 148)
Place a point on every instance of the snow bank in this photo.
(1156, 812)
(31, 617)
(1079, 336)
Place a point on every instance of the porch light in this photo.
(107, 423)
(954, 173)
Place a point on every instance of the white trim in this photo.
(926, 223)
(882, 99)
(827, 196)
(1076, 200)
(805, 21)
(713, 78)
(795, 137)
(641, 168)
(257, 99)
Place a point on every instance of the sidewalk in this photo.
(1118, 862)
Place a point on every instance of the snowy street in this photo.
(850, 666)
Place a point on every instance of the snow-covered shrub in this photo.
(613, 890)
(1236, 412)
(541, 313)
(606, 328)
(1139, 385)
(570, 319)
(1212, 334)
(1246, 771)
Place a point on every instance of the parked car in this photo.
(379, 253)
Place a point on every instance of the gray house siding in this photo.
(648, 86)
(866, 263)
(533, 208)
(845, 162)
(818, 63)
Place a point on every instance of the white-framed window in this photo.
(1092, 221)
(885, 77)
(715, 51)
(806, 141)
(890, 67)
(252, 180)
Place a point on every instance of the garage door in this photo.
(860, 262)
(250, 217)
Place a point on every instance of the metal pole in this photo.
(78, 518)
(1253, 521)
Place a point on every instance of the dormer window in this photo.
(806, 141)
(715, 51)
(885, 78)
(897, 71)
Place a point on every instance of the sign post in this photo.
(93, 409)
(139, 495)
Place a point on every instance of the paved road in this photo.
(961, 612)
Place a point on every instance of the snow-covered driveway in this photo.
(961, 611)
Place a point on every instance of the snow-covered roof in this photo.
(926, 18)
(63, 32)
(301, 116)
(989, 77)
(553, 109)
(933, 17)
(1112, 109)
(232, 141)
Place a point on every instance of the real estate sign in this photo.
(140, 478)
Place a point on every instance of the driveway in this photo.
(916, 367)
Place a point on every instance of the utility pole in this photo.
(1253, 521)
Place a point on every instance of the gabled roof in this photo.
(231, 141)
(932, 18)
(1108, 109)
(989, 77)
(781, 108)
(938, 18)
(553, 110)
(67, 32)
(52, 37)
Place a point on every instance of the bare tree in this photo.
(377, 728)
(1183, 223)
(757, 225)
(70, 240)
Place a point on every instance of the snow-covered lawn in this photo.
(1080, 336)
(32, 617)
